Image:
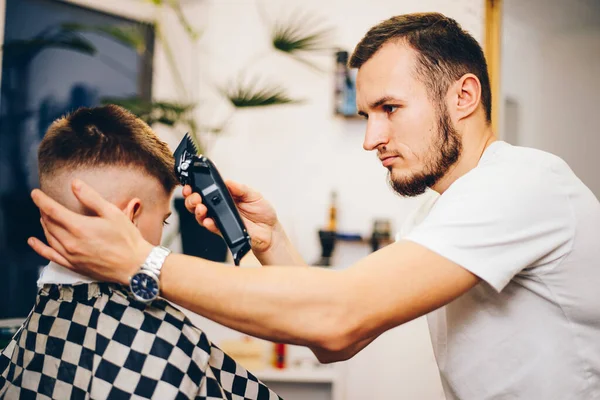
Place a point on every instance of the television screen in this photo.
(56, 58)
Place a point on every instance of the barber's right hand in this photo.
(257, 213)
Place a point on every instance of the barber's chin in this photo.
(400, 173)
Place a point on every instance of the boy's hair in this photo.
(445, 52)
(105, 136)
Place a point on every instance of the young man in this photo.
(505, 264)
(87, 339)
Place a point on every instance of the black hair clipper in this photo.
(201, 174)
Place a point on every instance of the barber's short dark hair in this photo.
(105, 136)
(446, 52)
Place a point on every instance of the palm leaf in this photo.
(301, 33)
(19, 49)
(161, 112)
(252, 95)
(167, 113)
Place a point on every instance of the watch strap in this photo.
(156, 259)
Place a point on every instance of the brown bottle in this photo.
(332, 224)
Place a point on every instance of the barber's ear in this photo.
(133, 209)
(468, 95)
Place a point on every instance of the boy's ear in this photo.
(133, 209)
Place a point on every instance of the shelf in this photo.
(301, 375)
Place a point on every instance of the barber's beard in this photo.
(444, 152)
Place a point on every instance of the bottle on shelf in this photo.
(279, 357)
(332, 220)
(340, 81)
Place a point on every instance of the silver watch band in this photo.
(155, 260)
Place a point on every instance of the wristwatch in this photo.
(145, 284)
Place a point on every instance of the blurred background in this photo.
(263, 88)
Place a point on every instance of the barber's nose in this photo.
(376, 135)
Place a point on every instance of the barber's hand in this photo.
(106, 247)
(258, 215)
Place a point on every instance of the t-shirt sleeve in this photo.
(496, 230)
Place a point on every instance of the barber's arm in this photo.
(332, 310)
(274, 246)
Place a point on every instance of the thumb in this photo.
(242, 192)
(91, 199)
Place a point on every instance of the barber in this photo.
(505, 265)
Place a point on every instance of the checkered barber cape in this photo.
(94, 341)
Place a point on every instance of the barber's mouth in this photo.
(388, 161)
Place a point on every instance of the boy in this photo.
(87, 339)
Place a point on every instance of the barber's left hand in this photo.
(107, 247)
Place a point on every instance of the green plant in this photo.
(292, 37)
(301, 34)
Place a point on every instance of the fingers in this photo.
(52, 241)
(200, 212)
(48, 252)
(54, 210)
(209, 224)
(62, 239)
(241, 192)
(192, 201)
(91, 199)
(236, 189)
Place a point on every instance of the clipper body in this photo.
(201, 174)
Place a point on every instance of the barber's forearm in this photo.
(281, 252)
(304, 306)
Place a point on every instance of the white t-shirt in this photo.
(530, 229)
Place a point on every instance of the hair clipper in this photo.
(201, 174)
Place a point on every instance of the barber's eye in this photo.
(388, 108)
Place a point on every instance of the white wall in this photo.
(570, 96)
(552, 71)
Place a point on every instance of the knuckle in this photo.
(71, 246)
(50, 212)
(76, 230)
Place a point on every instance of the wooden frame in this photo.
(492, 49)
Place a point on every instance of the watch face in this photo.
(144, 286)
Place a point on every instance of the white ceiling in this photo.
(554, 15)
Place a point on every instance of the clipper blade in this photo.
(191, 146)
(184, 154)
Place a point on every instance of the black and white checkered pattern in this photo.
(95, 341)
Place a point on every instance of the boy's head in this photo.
(119, 156)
